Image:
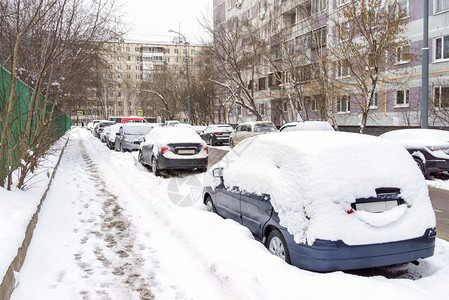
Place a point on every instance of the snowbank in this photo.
(313, 177)
(419, 137)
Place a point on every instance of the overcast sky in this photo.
(150, 20)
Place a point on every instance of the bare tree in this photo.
(369, 39)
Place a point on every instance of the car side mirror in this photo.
(117, 134)
(218, 172)
(142, 139)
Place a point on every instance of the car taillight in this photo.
(206, 149)
(164, 149)
(349, 211)
(434, 148)
(217, 132)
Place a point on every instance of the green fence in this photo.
(58, 122)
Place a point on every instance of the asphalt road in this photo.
(440, 203)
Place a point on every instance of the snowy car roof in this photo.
(313, 175)
(307, 125)
(418, 137)
(168, 134)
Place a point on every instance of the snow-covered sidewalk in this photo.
(110, 229)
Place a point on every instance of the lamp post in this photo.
(187, 74)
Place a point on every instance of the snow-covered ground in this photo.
(110, 229)
(438, 183)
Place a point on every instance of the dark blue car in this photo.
(381, 213)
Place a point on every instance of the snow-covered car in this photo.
(173, 148)
(307, 126)
(326, 201)
(130, 135)
(199, 128)
(99, 127)
(171, 123)
(110, 133)
(428, 147)
(216, 134)
(249, 129)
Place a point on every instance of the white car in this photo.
(249, 129)
(307, 126)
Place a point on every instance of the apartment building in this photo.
(128, 64)
(310, 24)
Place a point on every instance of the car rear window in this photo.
(264, 127)
(137, 130)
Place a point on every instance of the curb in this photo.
(8, 283)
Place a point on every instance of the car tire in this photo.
(202, 170)
(276, 245)
(231, 143)
(211, 141)
(154, 167)
(420, 165)
(210, 204)
(140, 158)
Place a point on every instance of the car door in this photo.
(206, 134)
(256, 210)
(227, 202)
(241, 133)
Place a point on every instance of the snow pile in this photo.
(313, 177)
(419, 137)
(16, 210)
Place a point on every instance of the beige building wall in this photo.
(127, 64)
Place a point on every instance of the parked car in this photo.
(216, 134)
(199, 128)
(130, 135)
(326, 201)
(428, 147)
(173, 148)
(125, 120)
(99, 127)
(246, 130)
(110, 133)
(307, 126)
(171, 123)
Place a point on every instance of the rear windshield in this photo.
(106, 124)
(222, 128)
(264, 127)
(137, 130)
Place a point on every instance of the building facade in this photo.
(310, 24)
(126, 65)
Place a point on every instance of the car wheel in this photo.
(211, 142)
(202, 170)
(154, 167)
(210, 205)
(231, 143)
(420, 165)
(140, 158)
(276, 245)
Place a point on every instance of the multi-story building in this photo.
(128, 64)
(310, 24)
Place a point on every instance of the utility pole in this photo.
(425, 68)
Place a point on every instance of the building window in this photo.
(128, 58)
(344, 104)
(175, 51)
(343, 68)
(319, 5)
(402, 97)
(128, 67)
(261, 84)
(119, 67)
(109, 75)
(128, 49)
(442, 48)
(184, 51)
(404, 8)
(119, 76)
(110, 57)
(128, 76)
(110, 67)
(110, 85)
(192, 52)
(441, 5)
(441, 96)
(110, 94)
(262, 7)
(374, 102)
(138, 76)
(262, 109)
(119, 94)
(403, 54)
(319, 37)
(342, 2)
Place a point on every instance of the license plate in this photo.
(376, 207)
(186, 151)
